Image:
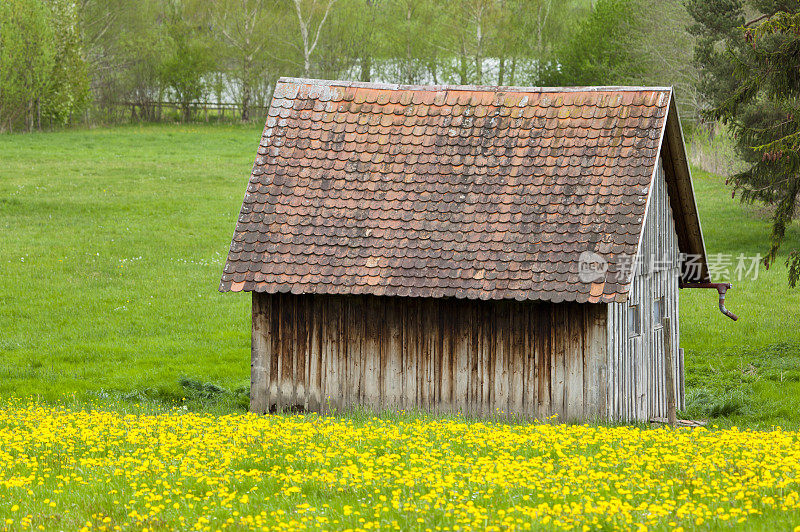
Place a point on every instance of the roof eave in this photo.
(682, 193)
(269, 288)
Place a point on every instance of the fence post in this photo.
(669, 371)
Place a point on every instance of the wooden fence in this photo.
(115, 112)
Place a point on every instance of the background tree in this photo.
(141, 56)
(600, 50)
(27, 56)
(368, 24)
(189, 61)
(68, 83)
(666, 52)
(752, 78)
(475, 25)
(410, 43)
(509, 43)
(541, 30)
(43, 74)
(126, 42)
(238, 28)
(311, 17)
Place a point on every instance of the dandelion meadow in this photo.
(64, 468)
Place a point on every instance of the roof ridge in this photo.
(476, 88)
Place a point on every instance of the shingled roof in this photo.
(471, 192)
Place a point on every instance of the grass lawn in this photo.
(113, 244)
(113, 241)
(747, 371)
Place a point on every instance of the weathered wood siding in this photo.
(318, 352)
(637, 380)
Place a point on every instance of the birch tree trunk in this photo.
(308, 44)
(541, 20)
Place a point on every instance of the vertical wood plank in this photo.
(286, 386)
(487, 361)
(544, 348)
(314, 355)
(345, 352)
(530, 359)
(359, 332)
(517, 357)
(476, 349)
(259, 354)
(681, 376)
(530, 393)
(300, 343)
(410, 310)
(589, 382)
(669, 376)
(333, 313)
(369, 384)
(275, 345)
(448, 311)
(499, 341)
(558, 355)
(324, 364)
(393, 370)
(574, 329)
(422, 358)
(598, 363)
(432, 341)
(462, 354)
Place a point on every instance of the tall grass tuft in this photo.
(712, 149)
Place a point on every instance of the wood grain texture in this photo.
(669, 373)
(637, 362)
(532, 359)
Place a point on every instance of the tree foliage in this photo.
(145, 54)
(236, 31)
(601, 49)
(42, 72)
(750, 53)
(630, 42)
(68, 81)
(126, 45)
(188, 62)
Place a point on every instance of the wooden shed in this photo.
(472, 249)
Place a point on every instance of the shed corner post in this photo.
(259, 356)
(669, 376)
(611, 373)
(607, 368)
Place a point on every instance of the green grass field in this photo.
(113, 241)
